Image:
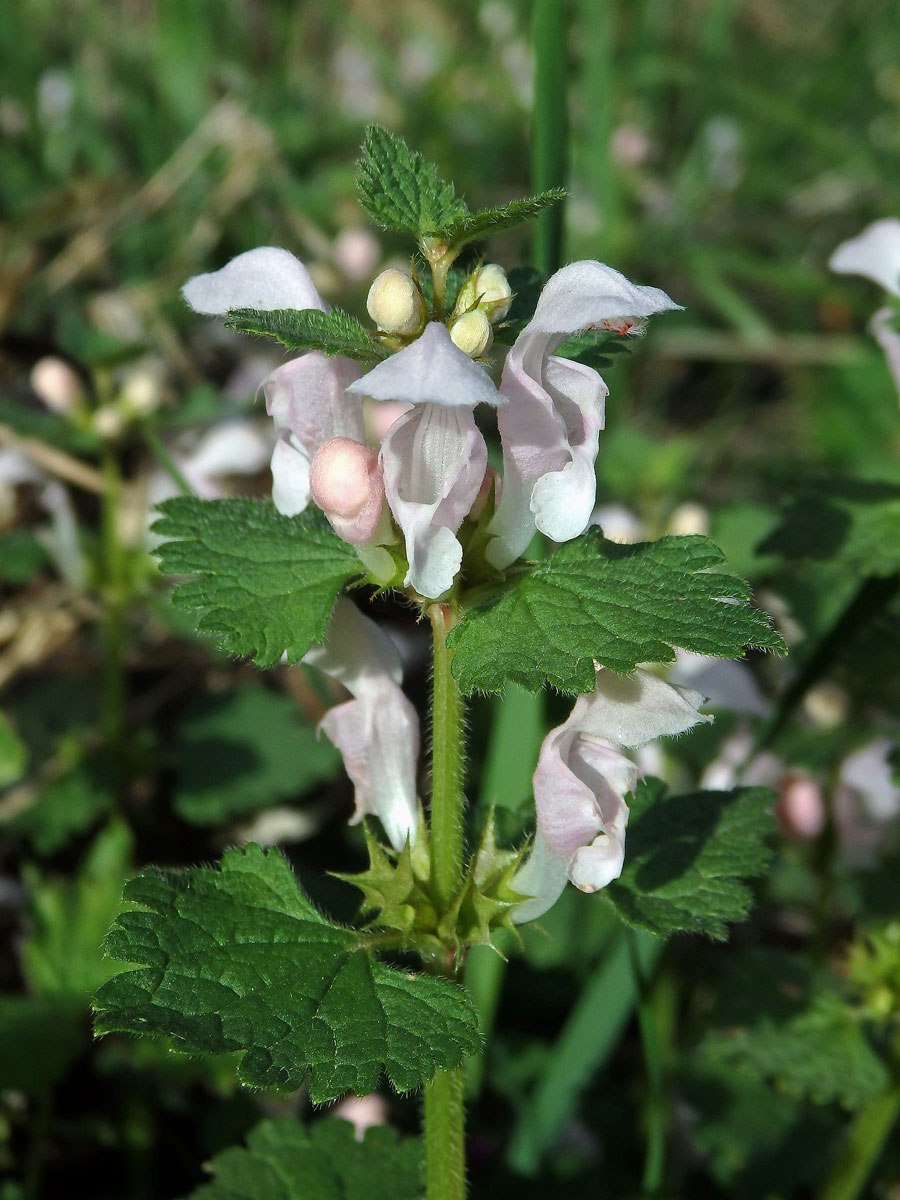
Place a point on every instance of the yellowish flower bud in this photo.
(472, 333)
(395, 303)
(493, 288)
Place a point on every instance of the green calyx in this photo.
(398, 895)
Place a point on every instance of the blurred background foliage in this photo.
(719, 149)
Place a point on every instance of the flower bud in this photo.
(800, 809)
(496, 294)
(487, 289)
(54, 381)
(356, 253)
(141, 393)
(346, 482)
(395, 303)
(108, 422)
(472, 333)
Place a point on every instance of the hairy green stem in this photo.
(445, 1161)
(440, 269)
(445, 1157)
(865, 1142)
(447, 738)
(550, 128)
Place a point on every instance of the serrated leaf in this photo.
(686, 858)
(245, 751)
(237, 958)
(789, 1025)
(618, 605)
(401, 190)
(335, 332)
(473, 226)
(265, 584)
(284, 1161)
(853, 522)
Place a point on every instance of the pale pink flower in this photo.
(434, 457)
(377, 732)
(306, 397)
(551, 428)
(582, 779)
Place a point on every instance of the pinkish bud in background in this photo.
(800, 810)
(55, 383)
(347, 483)
(356, 253)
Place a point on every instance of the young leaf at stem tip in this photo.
(401, 190)
(485, 221)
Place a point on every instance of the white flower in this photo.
(434, 457)
(306, 397)
(582, 779)
(377, 732)
(551, 428)
(875, 254)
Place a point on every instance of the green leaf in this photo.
(245, 751)
(618, 605)
(22, 556)
(68, 805)
(13, 753)
(48, 427)
(266, 584)
(61, 953)
(239, 959)
(593, 348)
(401, 190)
(748, 1134)
(473, 226)
(284, 1161)
(308, 329)
(853, 522)
(788, 1024)
(686, 858)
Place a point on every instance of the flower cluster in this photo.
(404, 493)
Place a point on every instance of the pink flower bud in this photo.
(54, 381)
(347, 484)
(800, 809)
